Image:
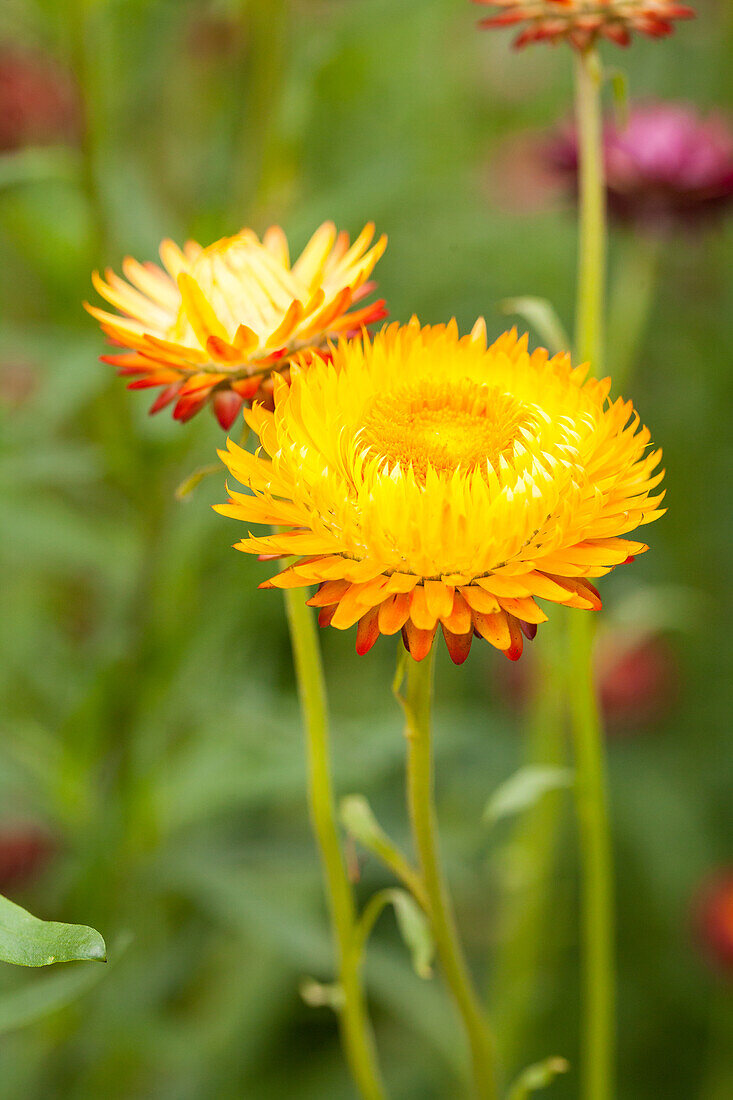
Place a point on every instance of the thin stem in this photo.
(592, 235)
(528, 863)
(356, 1031)
(597, 869)
(422, 813)
(598, 1038)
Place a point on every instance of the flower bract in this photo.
(425, 481)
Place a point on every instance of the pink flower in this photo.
(668, 166)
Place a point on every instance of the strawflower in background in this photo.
(669, 166)
(38, 103)
(214, 324)
(426, 481)
(582, 22)
(714, 918)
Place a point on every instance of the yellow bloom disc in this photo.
(422, 480)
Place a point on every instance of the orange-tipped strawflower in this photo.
(423, 481)
(582, 22)
(219, 322)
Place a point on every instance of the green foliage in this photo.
(148, 717)
(523, 789)
(27, 941)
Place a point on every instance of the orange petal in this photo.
(459, 645)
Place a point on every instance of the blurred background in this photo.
(151, 761)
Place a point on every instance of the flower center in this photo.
(444, 425)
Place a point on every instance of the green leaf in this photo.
(620, 91)
(524, 789)
(357, 817)
(537, 1076)
(541, 315)
(415, 931)
(27, 941)
(187, 486)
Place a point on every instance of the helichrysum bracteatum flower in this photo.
(581, 22)
(422, 481)
(666, 167)
(214, 324)
(37, 101)
(714, 912)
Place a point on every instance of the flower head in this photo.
(423, 480)
(714, 912)
(581, 22)
(37, 101)
(218, 322)
(668, 166)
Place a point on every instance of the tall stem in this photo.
(528, 862)
(591, 794)
(422, 813)
(592, 232)
(356, 1031)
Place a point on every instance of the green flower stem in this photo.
(592, 233)
(528, 862)
(356, 1031)
(597, 868)
(417, 703)
(598, 1038)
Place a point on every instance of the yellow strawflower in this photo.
(214, 324)
(423, 480)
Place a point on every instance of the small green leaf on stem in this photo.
(415, 931)
(320, 995)
(619, 82)
(193, 480)
(537, 1076)
(541, 315)
(523, 789)
(27, 941)
(359, 821)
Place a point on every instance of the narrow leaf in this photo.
(537, 1076)
(27, 941)
(620, 92)
(415, 931)
(359, 821)
(187, 486)
(524, 789)
(541, 315)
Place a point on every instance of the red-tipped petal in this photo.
(417, 642)
(367, 631)
(227, 404)
(459, 645)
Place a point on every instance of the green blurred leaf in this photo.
(537, 1076)
(27, 941)
(415, 931)
(524, 789)
(187, 486)
(541, 315)
(619, 82)
(358, 819)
